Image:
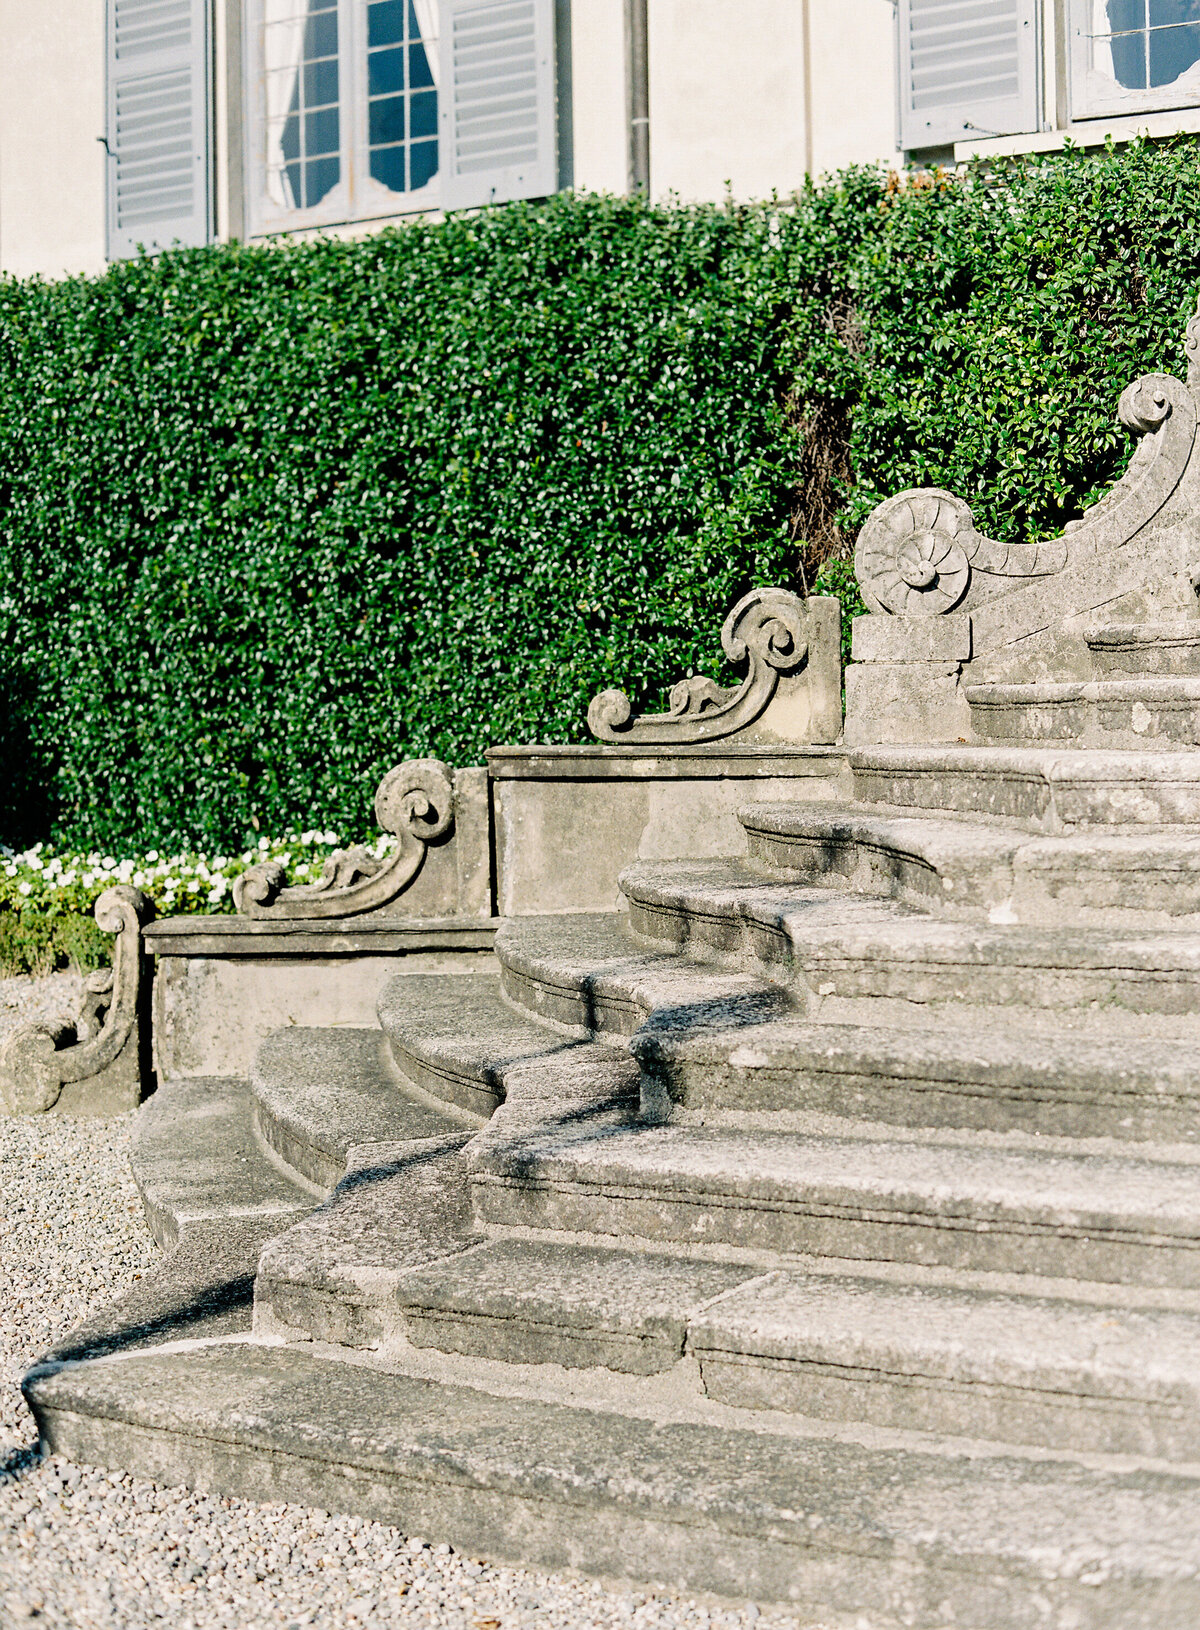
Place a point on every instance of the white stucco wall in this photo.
(51, 111)
(853, 83)
(726, 97)
(598, 95)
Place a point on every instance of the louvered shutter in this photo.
(968, 68)
(158, 184)
(497, 116)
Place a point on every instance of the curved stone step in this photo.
(1158, 710)
(318, 1093)
(835, 1529)
(196, 1161)
(1108, 1218)
(976, 869)
(333, 1276)
(585, 975)
(1065, 1084)
(1047, 786)
(458, 1039)
(850, 946)
(1146, 648)
(1059, 1375)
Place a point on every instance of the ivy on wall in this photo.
(272, 518)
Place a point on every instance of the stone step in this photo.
(1072, 1375)
(548, 1302)
(1068, 1083)
(1105, 1217)
(584, 974)
(1049, 787)
(318, 1093)
(459, 1040)
(333, 1277)
(839, 1530)
(974, 869)
(1146, 648)
(1160, 711)
(1058, 1375)
(196, 1161)
(835, 946)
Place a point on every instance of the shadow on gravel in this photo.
(18, 1462)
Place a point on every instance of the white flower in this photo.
(152, 856)
(24, 888)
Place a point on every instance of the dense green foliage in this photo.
(272, 518)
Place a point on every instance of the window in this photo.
(1134, 56)
(361, 109)
(157, 125)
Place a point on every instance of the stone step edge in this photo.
(823, 1525)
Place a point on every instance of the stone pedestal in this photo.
(904, 682)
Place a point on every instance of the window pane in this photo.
(321, 132)
(387, 167)
(385, 71)
(420, 73)
(424, 162)
(321, 178)
(402, 87)
(1174, 44)
(385, 22)
(422, 119)
(387, 120)
(300, 42)
(321, 83)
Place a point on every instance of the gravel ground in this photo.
(82, 1548)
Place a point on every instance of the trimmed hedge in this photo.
(272, 518)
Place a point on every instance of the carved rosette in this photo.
(914, 554)
(38, 1060)
(767, 629)
(415, 802)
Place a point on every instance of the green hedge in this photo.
(272, 518)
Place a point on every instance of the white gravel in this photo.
(82, 1548)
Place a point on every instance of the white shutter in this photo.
(497, 115)
(158, 185)
(968, 68)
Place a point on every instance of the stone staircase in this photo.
(825, 1226)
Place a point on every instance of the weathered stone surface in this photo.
(536, 1302)
(1055, 788)
(584, 974)
(460, 1040)
(101, 1065)
(969, 1072)
(1146, 648)
(835, 1528)
(1104, 1217)
(1160, 711)
(334, 1276)
(317, 1093)
(196, 1160)
(1058, 1374)
(218, 992)
(972, 869)
(568, 820)
(879, 637)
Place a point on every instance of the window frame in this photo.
(1087, 105)
(357, 196)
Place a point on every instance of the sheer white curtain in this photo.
(283, 52)
(427, 22)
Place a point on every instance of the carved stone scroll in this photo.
(790, 648)
(415, 801)
(96, 1065)
(919, 553)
